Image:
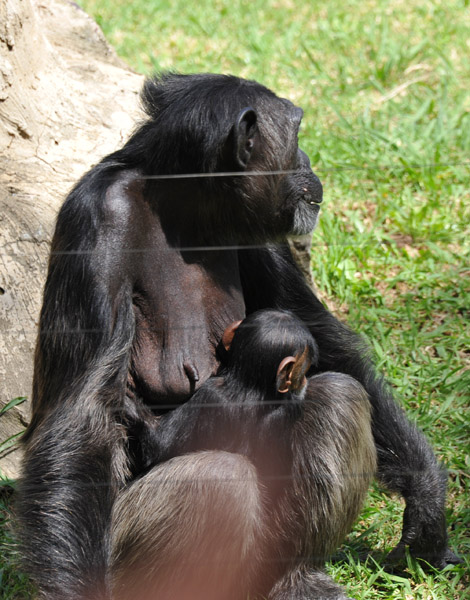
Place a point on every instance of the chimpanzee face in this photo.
(299, 192)
(301, 195)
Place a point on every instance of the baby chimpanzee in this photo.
(251, 415)
(250, 407)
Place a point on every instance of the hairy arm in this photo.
(201, 423)
(406, 462)
(74, 447)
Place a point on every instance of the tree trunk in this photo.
(66, 100)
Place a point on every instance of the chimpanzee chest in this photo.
(179, 324)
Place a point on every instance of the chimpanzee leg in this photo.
(334, 462)
(406, 463)
(189, 529)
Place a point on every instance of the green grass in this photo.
(384, 86)
(14, 585)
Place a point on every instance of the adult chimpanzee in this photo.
(146, 270)
(254, 408)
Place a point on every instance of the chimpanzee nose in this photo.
(316, 189)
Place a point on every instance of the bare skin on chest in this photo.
(182, 303)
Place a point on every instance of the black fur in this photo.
(243, 411)
(144, 275)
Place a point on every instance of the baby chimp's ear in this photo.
(291, 373)
(284, 374)
(229, 333)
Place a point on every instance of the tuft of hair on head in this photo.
(262, 341)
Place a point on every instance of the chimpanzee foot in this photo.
(438, 560)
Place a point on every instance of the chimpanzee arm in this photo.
(406, 462)
(201, 423)
(74, 447)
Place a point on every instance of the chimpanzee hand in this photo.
(425, 534)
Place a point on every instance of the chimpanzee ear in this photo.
(244, 131)
(284, 374)
(229, 333)
(291, 373)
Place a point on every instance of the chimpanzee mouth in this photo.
(305, 215)
(311, 201)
